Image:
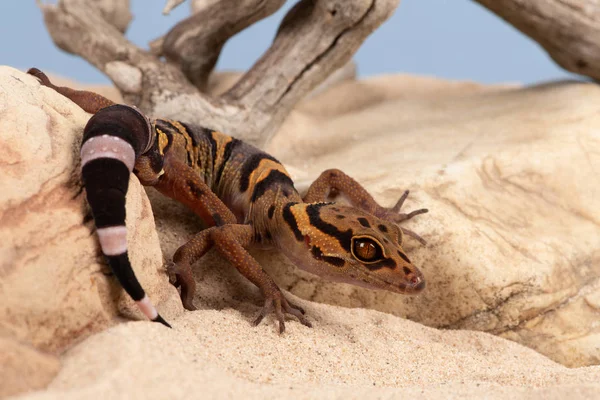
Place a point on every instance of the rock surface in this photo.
(23, 367)
(53, 288)
(509, 176)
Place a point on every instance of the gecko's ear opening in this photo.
(125, 122)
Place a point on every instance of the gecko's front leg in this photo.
(334, 182)
(231, 241)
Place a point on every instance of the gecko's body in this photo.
(245, 196)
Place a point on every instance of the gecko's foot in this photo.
(280, 305)
(394, 215)
(182, 278)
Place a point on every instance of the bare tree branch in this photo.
(171, 4)
(116, 12)
(569, 30)
(156, 87)
(346, 73)
(196, 42)
(316, 38)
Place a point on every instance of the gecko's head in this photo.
(349, 245)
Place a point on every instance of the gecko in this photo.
(246, 197)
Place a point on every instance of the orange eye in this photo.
(366, 250)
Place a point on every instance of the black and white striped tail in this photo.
(113, 138)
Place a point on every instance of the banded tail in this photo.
(112, 140)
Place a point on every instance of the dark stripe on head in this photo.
(258, 237)
(336, 262)
(345, 237)
(364, 222)
(383, 228)
(275, 177)
(226, 156)
(250, 166)
(271, 212)
(106, 181)
(403, 256)
(385, 263)
(406, 270)
(122, 269)
(318, 254)
(121, 121)
(268, 235)
(288, 217)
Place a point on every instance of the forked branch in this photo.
(315, 39)
(196, 42)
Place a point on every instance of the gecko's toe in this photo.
(281, 306)
(294, 306)
(267, 309)
(189, 305)
(300, 315)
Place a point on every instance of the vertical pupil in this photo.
(367, 250)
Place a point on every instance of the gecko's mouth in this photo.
(412, 285)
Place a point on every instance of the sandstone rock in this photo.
(53, 284)
(23, 368)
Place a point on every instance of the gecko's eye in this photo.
(366, 249)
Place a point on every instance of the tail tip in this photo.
(161, 320)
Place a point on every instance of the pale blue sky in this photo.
(455, 39)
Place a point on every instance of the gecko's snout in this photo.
(416, 283)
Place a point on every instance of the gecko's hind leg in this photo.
(181, 268)
(334, 181)
(89, 101)
(231, 241)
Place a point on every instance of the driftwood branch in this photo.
(170, 5)
(569, 30)
(196, 42)
(316, 38)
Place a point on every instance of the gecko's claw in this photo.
(414, 236)
(394, 215)
(172, 273)
(280, 305)
(182, 279)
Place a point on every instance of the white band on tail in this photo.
(107, 146)
(113, 240)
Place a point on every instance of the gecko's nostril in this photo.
(417, 283)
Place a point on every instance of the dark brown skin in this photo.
(248, 198)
